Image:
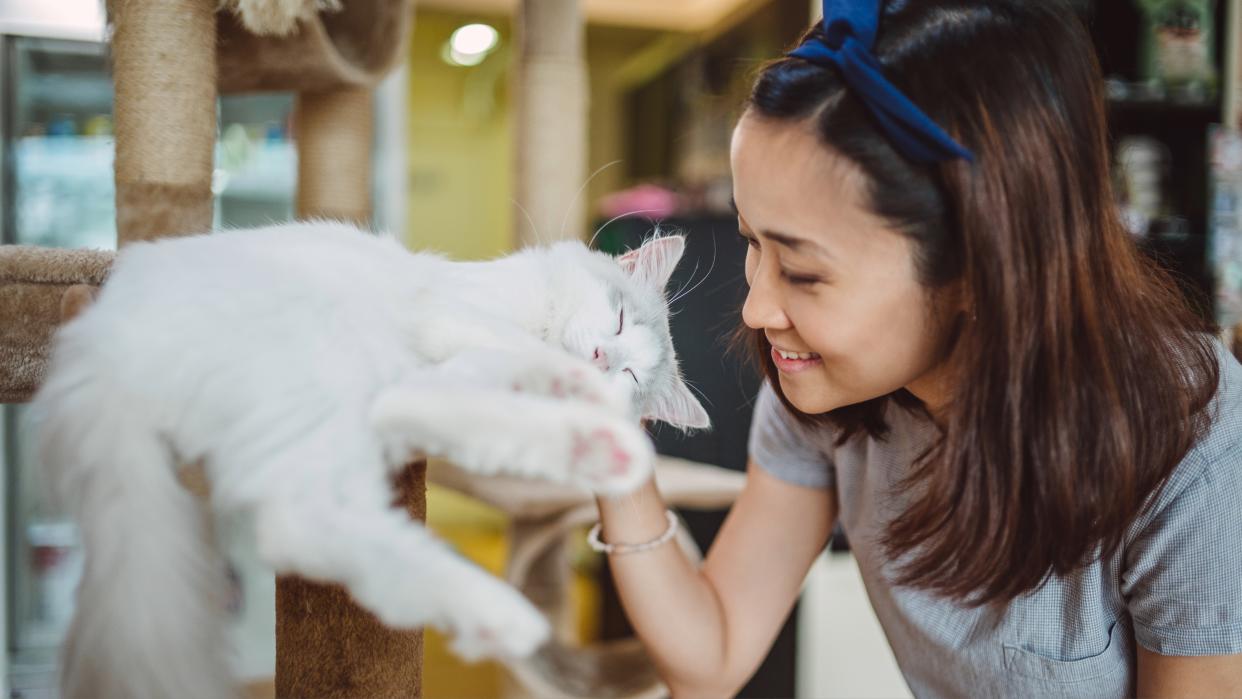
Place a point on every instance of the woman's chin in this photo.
(810, 397)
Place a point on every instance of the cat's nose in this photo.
(600, 359)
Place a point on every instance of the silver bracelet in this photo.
(597, 545)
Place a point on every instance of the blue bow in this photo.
(850, 28)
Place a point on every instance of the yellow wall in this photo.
(460, 144)
(460, 172)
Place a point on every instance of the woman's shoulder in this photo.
(1210, 474)
(1226, 408)
(1181, 555)
(1218, 450)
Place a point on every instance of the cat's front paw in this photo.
(498, 624)
(579, 382)
(611, 459)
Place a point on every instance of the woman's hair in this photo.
(1082, 375)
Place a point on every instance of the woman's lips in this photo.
(793, 366)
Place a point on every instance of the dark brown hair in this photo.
(1084, 376)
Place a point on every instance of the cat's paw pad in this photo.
(499, 629)
(584, 384)
(611, 460)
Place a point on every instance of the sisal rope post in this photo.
(333, 129)
(326, 645)
(164, 72)
(551, 93)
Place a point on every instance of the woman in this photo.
(1035, 448)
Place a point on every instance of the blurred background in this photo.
(665, 80)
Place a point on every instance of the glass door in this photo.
(57, 192)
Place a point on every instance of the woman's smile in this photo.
(790, 362)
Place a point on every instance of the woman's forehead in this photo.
(784, 164)
(791, 184)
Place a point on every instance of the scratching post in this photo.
(334, 132)
(326, 646)
(164, 67)
(550, 88)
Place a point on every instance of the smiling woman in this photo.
(1034, 446)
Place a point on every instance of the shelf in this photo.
(1208, 111)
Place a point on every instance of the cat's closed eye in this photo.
(621, 323)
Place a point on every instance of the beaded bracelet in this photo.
(597, 545)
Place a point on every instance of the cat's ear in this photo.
(653, 263)
(679, 408)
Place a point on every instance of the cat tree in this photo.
(171, 59)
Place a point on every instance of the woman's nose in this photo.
(761, 309)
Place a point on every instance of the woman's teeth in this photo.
(797, 355)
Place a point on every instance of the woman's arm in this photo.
(708, 629)
(1188, 676)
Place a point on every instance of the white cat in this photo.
(302, 365)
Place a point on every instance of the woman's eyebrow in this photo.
(796, 244)
(792, 242)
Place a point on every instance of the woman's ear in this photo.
(954, 300)
(653, 263)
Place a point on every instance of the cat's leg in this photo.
(443, 333)
(490, 431)
(398, 570)
(542, 370)
(490, 351)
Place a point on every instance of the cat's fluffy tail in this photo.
(148, 622)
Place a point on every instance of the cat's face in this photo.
(617, 318)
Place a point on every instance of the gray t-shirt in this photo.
(1175, 586)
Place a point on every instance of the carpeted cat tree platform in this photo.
(171, 59)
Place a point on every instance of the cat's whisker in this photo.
(533, 228)
(568, 209)
(689, 280)
(696, 390)
(677, 296)
(710, 269)
(599, 230)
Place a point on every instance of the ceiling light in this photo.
(474, 39)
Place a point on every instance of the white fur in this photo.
(277, 17)
(302, 364)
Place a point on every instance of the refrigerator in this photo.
(56, 190)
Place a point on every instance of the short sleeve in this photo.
(1183, 581)
(790, 451)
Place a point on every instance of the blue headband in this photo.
(850, 28)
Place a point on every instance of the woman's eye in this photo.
(621, 322)
(750, 241)
(800, 280)
(632, 376)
